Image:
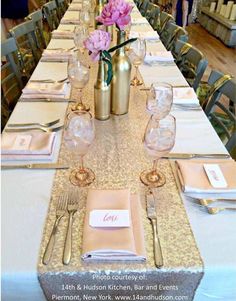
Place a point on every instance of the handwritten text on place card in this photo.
(22, 142)
(109, 218)
(215, 175)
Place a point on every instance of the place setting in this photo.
(122, 184)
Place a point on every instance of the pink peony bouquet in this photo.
(116, 12)
(97, 42)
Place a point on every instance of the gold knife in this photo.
(36, 166)
(190, 156)
(46, 100)
(174, 86)
(151, 213)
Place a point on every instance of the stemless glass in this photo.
(137, 52)
(159, 139)
(160, 99)
(78, 75)
(78, 136)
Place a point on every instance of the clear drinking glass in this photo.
(80, 35)
(78, 75)
(78, 136)
(85, 17)
(160, 99)
(137, 52)
(159, 139)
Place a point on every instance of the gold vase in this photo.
(110, 30)
(98, 11)
(102, 94)
(120, 87)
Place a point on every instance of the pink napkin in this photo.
(193, 178)
(159, 56)
(184, 96)
(70, 21)
(56, 55)
(75, 6)
(112, 244)
(62, 34)
(27, 145)
(45, 90)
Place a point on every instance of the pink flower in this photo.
(116, 12)
(98, 41)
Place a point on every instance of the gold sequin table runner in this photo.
(117, 157)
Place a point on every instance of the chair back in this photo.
(37, 18)
(171, 34)
(192, 64)
(164, 19)
(50, 13)
(220, 107)
(154, 16)
(61, 8)
(25, 37)
(144, 7)
(11, 81)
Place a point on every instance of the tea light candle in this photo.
(228, 8)
(233, 13)
(213, 6)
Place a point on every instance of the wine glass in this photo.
(78, 75)
(78, 136)
(159, 139)
(80, 35)
(137, 53)
(85, 17)
(160, 99)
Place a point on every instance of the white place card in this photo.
(109, 218)
(22, 142)
(215, 175)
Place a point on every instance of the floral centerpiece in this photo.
(117, 12)
(98, 44)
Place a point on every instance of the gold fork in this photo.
(60, 212)
(72, 207)
(215, 210)
(206, 202)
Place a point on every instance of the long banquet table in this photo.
(26, 193)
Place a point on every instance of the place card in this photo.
(22, 142)
(109, 218)
(215, 175)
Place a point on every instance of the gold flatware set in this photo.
(67, 204)
(215, 210)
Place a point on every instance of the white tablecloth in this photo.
(26, 195)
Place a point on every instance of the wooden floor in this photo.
(219, 56)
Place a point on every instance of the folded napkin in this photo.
(52, 55)
(137, 21)
(75, 6)
(45, 90)
(112, 244)
(148, 35)
(193, 178)
(70, 21)
(160, 56)
(27, 145)
(62, 34)
(184, 96)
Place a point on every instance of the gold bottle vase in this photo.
(102, 94)
(120, 87)
(98, 11)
